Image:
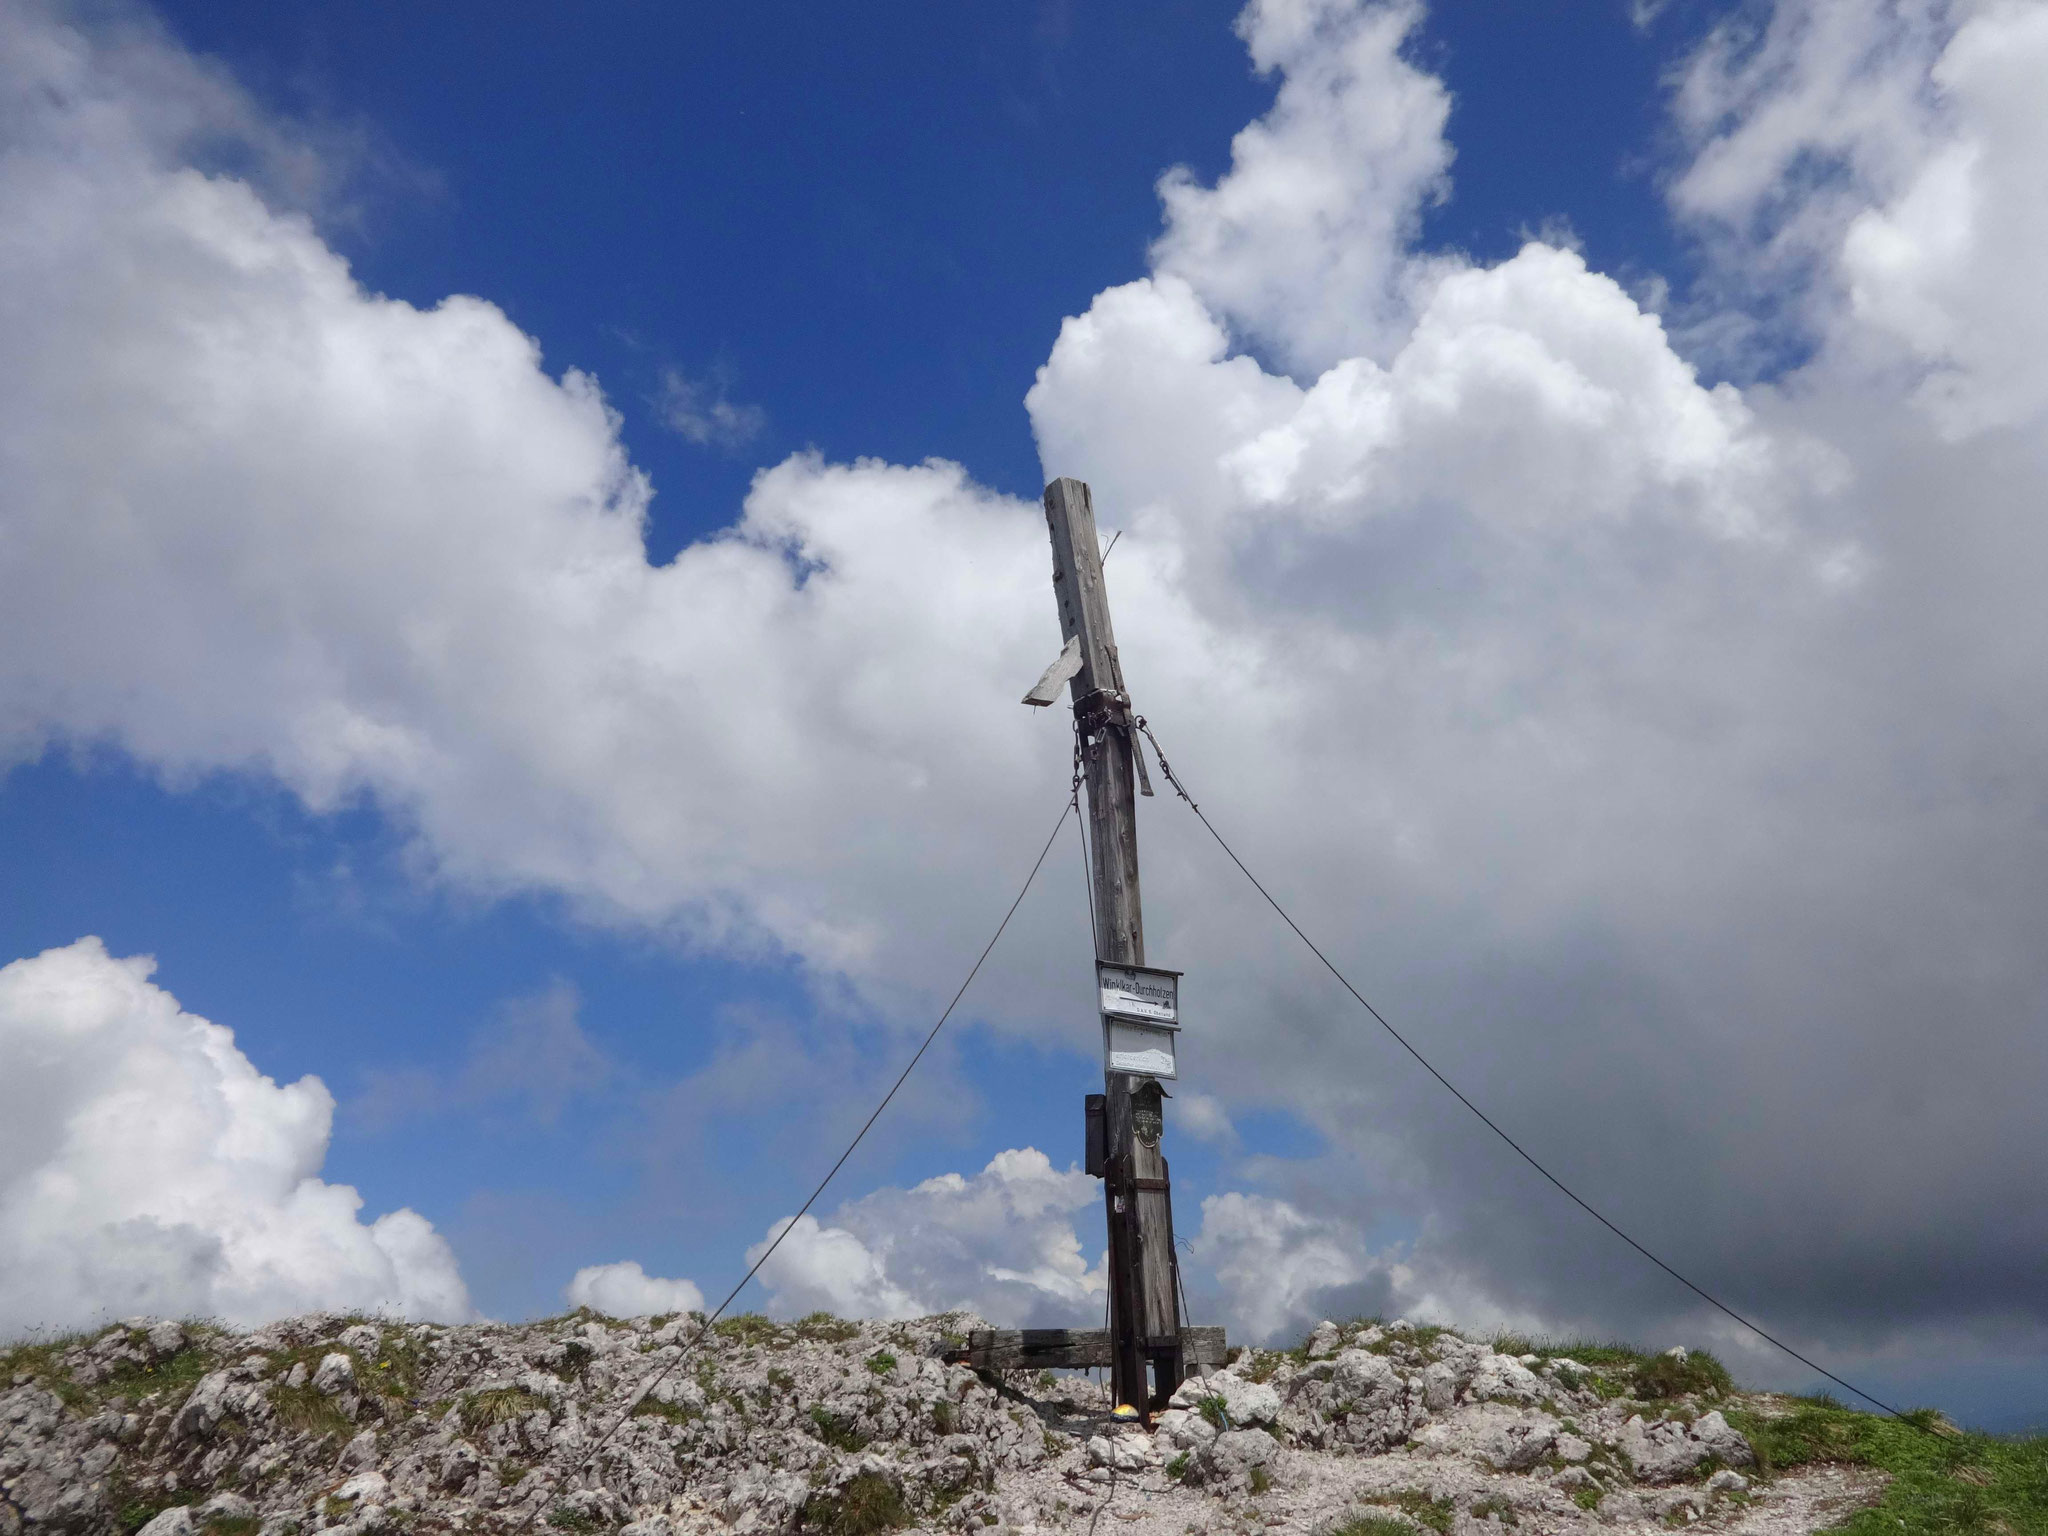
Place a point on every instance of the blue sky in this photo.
(782, 231)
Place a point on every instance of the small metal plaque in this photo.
(1148, 1117)
(1139, 992)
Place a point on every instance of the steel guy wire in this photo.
(1487, 1120)
(1087, 863)
(704, 1328)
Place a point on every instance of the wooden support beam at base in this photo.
(1047, 1349)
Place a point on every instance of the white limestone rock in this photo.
(364, 1487)
(1366, 1380)
(1502, 1378)
(1717, 1437)
(1495, 1435)
(1245, 1403)
(1225, 1465)
(335, 1375)
(1183, 1429)
(1125, 1452)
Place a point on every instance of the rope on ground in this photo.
(1105, 1498)
(1487, 1121)
(1073, 805)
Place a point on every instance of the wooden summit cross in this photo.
(1140, 1009)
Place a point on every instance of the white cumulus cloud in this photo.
(625, 1289)
(147, 1167)
(1300, 246)
(1001, 1244)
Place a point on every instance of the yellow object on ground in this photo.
(1124, 1411)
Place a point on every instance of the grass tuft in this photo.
(867, 1505)
(748, 1328)
(1420, 1507)
(305, 1411)
(134, 1509)
(881, 1362)
(498, 1405)
(652, 1407)
(824, 1328)
(1698, 1374)
(1374, 1525)
(839, 1433)
(174, 1372)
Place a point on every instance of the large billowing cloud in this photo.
(1667, 756)
(1001, 1244)
(625, 1289)
(147, 1167)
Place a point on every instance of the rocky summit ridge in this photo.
(375, 1428)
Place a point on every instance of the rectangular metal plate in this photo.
(1139, 992)
(1130, 1045)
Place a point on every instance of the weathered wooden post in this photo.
(1145, 1321)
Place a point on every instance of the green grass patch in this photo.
(575, 1521)
(1261, 1480)
(748, 1328)
(944, 1416)
(1263, 1363)
(652, 1407)
(133, 1509)
(1214, 1412)
(1698, 1374)
(178, 1372)
(43, 1359)
(231, 1525)
(1586, 1498)
(868, 1504)
(498, 1405)
(1420, 1507)
(394, 1372)
(1374, 1525)
(1944, 1482)
(1495, 1505)
(307, 1412)
(881, 1362)
(1178, 1467)
(839, 1433)
(824, 1328)
(398, 1368)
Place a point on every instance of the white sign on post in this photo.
(1139, 992)
(1140, 1019)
